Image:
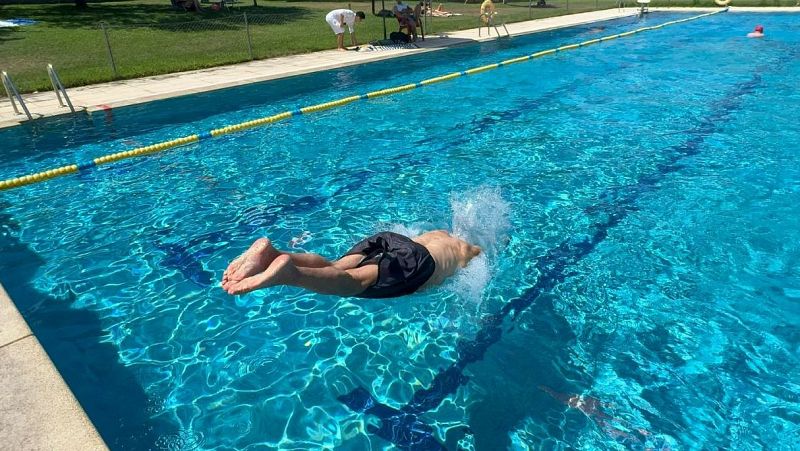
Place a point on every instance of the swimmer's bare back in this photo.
(449, 253)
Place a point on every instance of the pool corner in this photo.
(43, 413)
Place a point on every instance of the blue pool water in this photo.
(637, 200)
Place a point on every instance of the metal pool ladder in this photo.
(59, 88)
(489, 24)
(12, 93)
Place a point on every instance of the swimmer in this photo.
(758, 32)
(592, 407)
(384, 265)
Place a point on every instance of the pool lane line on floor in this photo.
(162, 146)
(404, 426)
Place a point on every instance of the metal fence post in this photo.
(108, 46)
(249, 41)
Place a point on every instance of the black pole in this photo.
(382, 13)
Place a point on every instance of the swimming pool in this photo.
(637, 199)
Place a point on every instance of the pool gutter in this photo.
(37, 409)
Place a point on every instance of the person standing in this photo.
(338, 18)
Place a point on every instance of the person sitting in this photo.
(383, 265)
(758, 32)
(405, 17)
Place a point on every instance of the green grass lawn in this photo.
(148, 37)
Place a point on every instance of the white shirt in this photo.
(401, 6)
(349, 17)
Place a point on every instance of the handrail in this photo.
(490, 23)
(198, 137)
(58, 87)
(12, 93)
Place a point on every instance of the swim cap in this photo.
(759, 28)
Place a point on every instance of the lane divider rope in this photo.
(162, 146)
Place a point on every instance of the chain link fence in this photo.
(130, 48)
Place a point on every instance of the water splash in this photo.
(480, 217)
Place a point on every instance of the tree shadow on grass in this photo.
(8, 34)
(76, 343)
(150, 16)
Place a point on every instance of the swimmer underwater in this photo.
(384, 265)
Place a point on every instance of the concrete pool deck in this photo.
(30, 387)
(37, 409)
(104, 96)
(116, 94)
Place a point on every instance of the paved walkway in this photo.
(128, 92)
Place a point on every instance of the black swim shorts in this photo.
(403, 265)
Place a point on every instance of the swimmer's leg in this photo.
(253, 261)
(258, 258)
(326, 280)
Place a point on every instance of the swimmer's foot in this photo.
(280, 272)
(253, 261)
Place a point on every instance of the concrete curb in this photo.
(37, 409)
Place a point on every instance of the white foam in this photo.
(470, 282)
(480, 217)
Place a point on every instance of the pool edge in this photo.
(43, 104)
(46, 414)
(159, 87)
